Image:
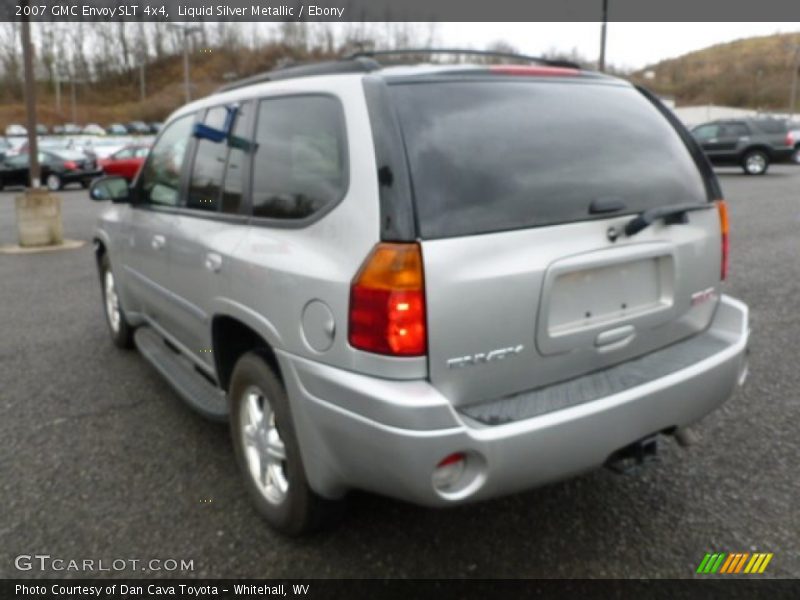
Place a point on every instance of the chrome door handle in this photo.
(213, 262)
(158, 242)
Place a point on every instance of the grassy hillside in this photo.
(753, 73)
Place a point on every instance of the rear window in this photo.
(772, 125)
(506, 155)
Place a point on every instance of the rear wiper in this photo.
(671, 213)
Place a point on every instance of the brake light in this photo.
(722, 207)
(387, 302)
(533, 70)
(789, 139)
(70, 165)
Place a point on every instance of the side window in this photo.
(300, 162)
(142, 152)
(124, 153)
(209, 166)
(734, 130)
(706, 132)
(161, 175)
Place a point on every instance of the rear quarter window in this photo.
(489, 156)
(300, 162)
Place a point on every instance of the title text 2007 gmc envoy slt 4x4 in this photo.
(437, 282)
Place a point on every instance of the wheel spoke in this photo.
(275, 447)
(254, 411)
(250, 435)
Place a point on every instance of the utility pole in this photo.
(30, 101)
(601, 64)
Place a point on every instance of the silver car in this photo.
(440, 283)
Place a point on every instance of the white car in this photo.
(16, 130)
(93, 129)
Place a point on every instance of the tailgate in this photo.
(514, 311)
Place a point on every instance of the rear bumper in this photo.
(783, 154)
(387, 436)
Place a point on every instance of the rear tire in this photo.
(268, 452)
(54, 182)
(121, 331)
(755, 162)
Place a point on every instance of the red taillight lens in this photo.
(534, 71)
(70, 165)
(789, 139)
(722, 207)
(387, 302)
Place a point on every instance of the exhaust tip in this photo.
(633, 457)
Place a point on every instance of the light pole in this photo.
(186, 30)
(601, 64)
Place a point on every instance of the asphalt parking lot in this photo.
(99, 459)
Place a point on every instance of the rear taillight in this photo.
(789, 139)
(70, 165)
(387, 302)
(723, 225)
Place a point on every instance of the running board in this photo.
(180, 373)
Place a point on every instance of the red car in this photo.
(126, 162)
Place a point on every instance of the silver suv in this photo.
(440, 283)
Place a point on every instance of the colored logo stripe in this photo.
(722, 562)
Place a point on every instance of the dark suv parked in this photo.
(750, 143)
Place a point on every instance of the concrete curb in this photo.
(66, 245)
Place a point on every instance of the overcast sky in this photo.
(630, 45)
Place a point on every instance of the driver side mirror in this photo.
(112, 188)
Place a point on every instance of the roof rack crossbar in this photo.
(456, 51)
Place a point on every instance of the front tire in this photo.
(121, 331)
(755, 162)
(268, 452)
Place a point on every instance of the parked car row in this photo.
(132, 128)
(64, 163)
(58, 168)
(751, 143)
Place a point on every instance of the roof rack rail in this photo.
(456, 51)
(356, 64)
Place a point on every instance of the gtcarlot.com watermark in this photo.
(47, 563)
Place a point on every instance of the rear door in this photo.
(207, 230)
(521, 187)
(733, 135)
